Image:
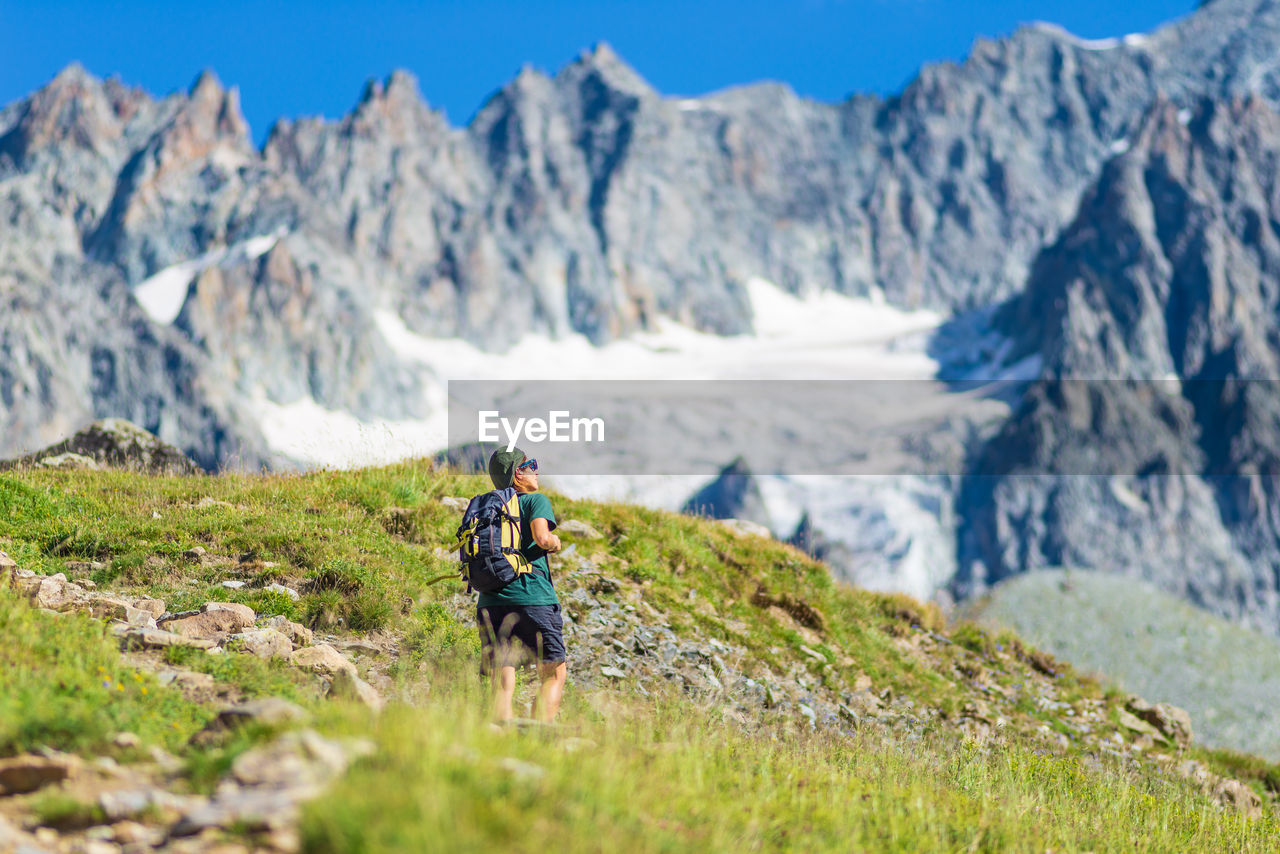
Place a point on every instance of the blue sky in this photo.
(309, 58)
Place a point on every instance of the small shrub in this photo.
(66, 812)
(324, 609)
(972, 637)
(367, 612)
(267, 603)
(341, 576)
(78, 542)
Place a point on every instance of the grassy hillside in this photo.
(724, 692)
(1152, 643)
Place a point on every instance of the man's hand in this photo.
(542, 535)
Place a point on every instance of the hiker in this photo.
(524, 616)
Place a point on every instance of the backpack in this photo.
(489, 541)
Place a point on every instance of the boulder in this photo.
(69, 462)
(26, 773)
(322, 658)
(264, 643)
(211, 626)
(214, 622)
(1170, 721)
(578, 530)
(272, 711)
(745, 528)
(300, 635)
(243, 612)
(145, 638)
(53, 592)
(268, 782)
(107, 607)
(155, 607)
(1236, 795)
(455, 503)
(348, 685)
(115, 443)
(186, 679)
(280, 588)
(1136, 724)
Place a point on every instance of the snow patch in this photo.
(1132, 40)
(1184, 117)
(163, 293)
(1120, 146)
(823, 336)
(305, 431)
(690, 105)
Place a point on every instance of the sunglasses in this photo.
(532, 465)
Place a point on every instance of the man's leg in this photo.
(552, 674)
(504, 688)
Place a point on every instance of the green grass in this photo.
(63, 685)
(626, 774)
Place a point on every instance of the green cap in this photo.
(502, 466)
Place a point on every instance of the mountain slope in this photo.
(583, 202)
(1226, 676)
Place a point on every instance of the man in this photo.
(525, 613)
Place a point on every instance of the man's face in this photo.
(527, 478)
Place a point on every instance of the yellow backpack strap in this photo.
(511, 536)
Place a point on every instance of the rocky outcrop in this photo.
(111, 443)
(1154, 316)
(734, 494)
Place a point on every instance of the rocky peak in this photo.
(602, 66)
(71, 110)
(212, 112)
(394, 108)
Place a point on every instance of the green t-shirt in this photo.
(529, 588)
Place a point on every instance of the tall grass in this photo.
(625, 773)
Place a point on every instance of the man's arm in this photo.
(542, 535)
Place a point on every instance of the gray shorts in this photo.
(510, 633)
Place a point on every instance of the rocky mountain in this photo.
(210, 277)
(1114, 198)
(1156, 318)
(733, 494)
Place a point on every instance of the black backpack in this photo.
(489, 541)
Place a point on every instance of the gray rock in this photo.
(734, 494)
(272, 711)
(1154, 318)
(112, 443)
(322, 658)
(455, 503)
(745, 528)
(578, 530)
(264, 643)
(68, 461)
(280, 588)
(300, 635)
(1170, 721)
(145, 638)
(345, 683)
